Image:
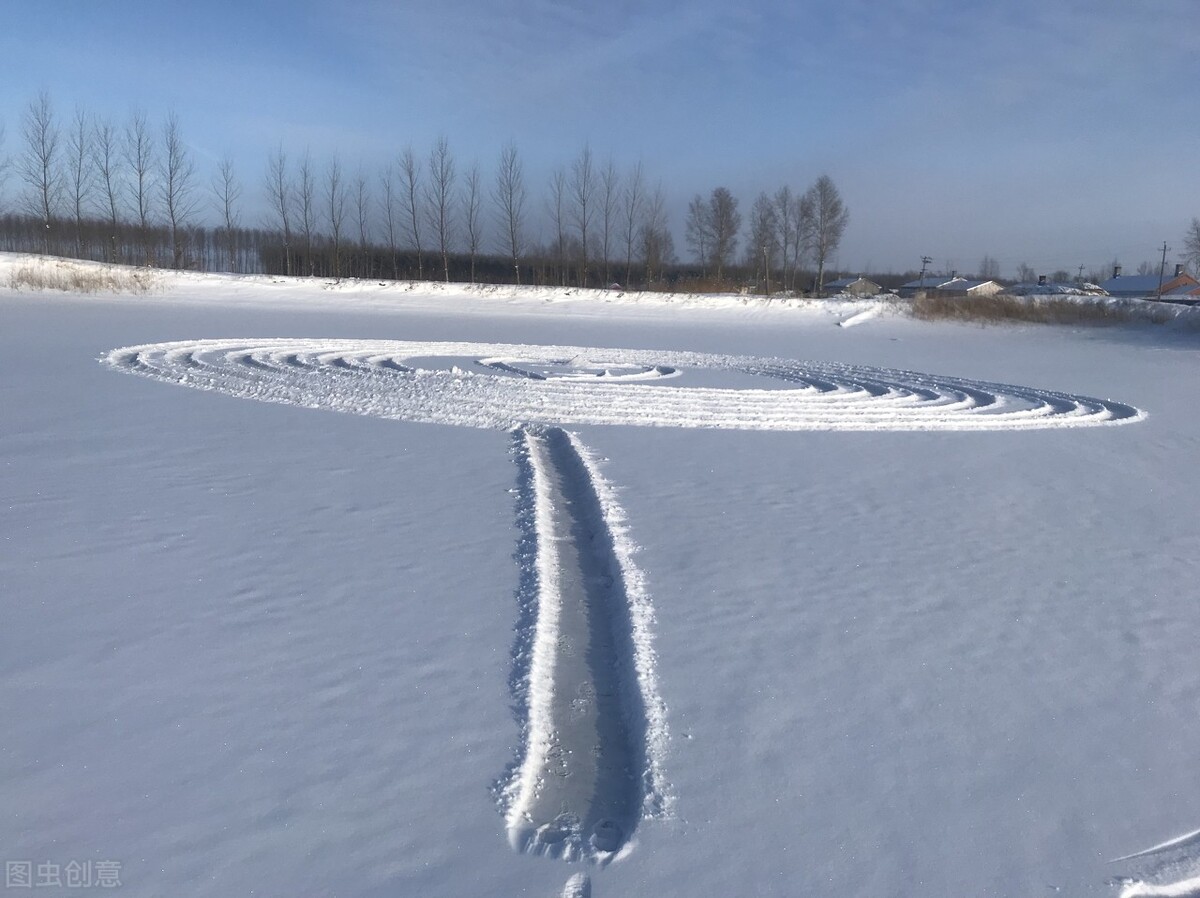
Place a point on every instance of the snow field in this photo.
(255, 649)
(590, 760)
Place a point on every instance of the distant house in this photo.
(1177, 286)
(950, 285)
(967, 287)
(926, 283)
(1045, 287)
(858, 286)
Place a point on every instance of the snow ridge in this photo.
(1164, 877)
(658, 800)
(505, 386)
(1184, 841)
(1185, 888)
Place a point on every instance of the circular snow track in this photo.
(501, 386)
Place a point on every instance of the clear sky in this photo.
(1054, 132)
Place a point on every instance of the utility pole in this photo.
(1162, 269)
(925, 260)
(1079, 277)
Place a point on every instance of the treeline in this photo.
(786, 231)
(130, 192)
(203, 248)
(424, 218)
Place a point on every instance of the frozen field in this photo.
(755, 605)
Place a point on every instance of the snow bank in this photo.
(378, 295)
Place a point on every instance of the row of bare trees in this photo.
(787, 232)
(98, 189)
(422, 216)
(130, 192)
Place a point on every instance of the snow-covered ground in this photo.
(895, 609)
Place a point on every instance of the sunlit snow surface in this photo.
(594, 731)
(913, 633)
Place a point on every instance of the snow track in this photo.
(594, 726)
(504, 386)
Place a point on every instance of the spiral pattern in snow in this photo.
(505, 385)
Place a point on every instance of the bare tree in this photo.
(610, 199)
(763, 246)
(583, 209)
(410, 171)
(1026, 273)
(787, 214)
(633, 201)
(698, 231)
(362, 207)
(38, 164)
(509, 196)
(439, 198)
(989, 269)
(658, 247)
(107, 163)
(471, 203)
(139, 157)
(335, 207)
(825, 219)
(724, 222)
(3, 161)
(80, 173)
(800, 231)
(279, 196)
(226, 194)
(1191, 246)
(178, 185)
(387, 204)
(306, 203)
(556, 206)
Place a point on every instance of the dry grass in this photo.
(1039, 310)
(72, 277)
(697, 285)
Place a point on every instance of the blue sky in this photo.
(1052, 132)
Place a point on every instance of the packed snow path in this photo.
(504, 386)
(594, 724)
